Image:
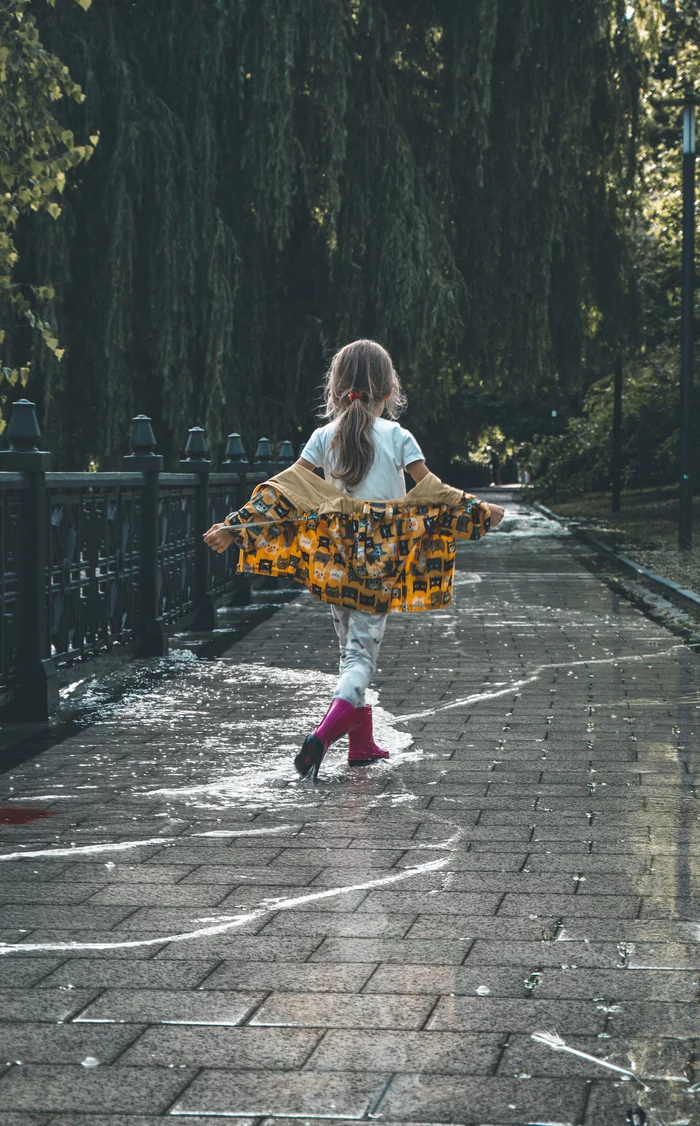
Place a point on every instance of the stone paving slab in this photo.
(199, 936)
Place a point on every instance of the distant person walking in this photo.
(494, 465)
(357, 540)
(524, 463)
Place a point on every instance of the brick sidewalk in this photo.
(381, 946)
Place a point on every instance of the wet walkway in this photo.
(192, 933)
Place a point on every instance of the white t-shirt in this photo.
(394, 449)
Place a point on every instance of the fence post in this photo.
(286, 455)
(36, 691)
(235, 461)
(154, 640)
(197, 461)
(263, 455)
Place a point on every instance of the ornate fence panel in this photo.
(93, 564)
(90, 561)
(176, 545)
(225, 495)
(11, 487)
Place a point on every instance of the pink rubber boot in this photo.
(340, 718)
(363, 748)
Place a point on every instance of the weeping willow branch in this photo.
(276, 178)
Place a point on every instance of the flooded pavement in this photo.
(496, 927)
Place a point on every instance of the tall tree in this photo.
(276, 178)
(36, 154)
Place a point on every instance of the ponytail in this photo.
(360, 378)
(352, 444)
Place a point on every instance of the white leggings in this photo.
(359, 636)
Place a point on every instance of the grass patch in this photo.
(646, 529)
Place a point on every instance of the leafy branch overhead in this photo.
(461, 181)
(37, 155)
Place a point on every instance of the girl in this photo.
(347, 544)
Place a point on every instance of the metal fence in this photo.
(92, 561)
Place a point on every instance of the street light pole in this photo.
(617, 437)
(685, 523)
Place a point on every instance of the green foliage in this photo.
(36, 156)
(274, 179)
(579, 460)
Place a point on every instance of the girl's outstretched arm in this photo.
(418, 470)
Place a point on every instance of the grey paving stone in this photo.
(100, 973)
(147, 895)
(58, 892)
(665, 1060)
(340, 1010)
(603, 955)
(93, 943)
(128, 873)
(473, 861)
(458, 980)
(21, 1118)
(427, 1098)
(427, 903)
(323, 857)
(168, 921)
(488, 927)
(130, 1120)
(307, 977)
(609, 1102)
(655, 1018)
(489, 1014)
(249, 898)
(540, 741)
(257, 948)
(84, 1089)
(16, 972)
(447, 1053)
(406, 950)
(42, 1004)
(191, 854)
(523, 883)
(619, 984)
(60, 918)
(235, 875)
(257, 1093)
(170, 1006)
(67, 1043)
(134, 1120)
(579, 906)
(340, 925)
(232, 1048)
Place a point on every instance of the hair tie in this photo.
(354, 395)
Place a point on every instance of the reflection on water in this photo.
(249, 756)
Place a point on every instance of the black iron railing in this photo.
(91, 561)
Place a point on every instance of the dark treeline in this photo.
(275, 178)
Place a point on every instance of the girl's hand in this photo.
(218, 538)
(497, 514)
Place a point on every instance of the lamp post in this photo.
(685, 522)
(617, 437)
(685, 518)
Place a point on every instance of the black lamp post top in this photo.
(23, 432)
(143, 458)
(264, 451)
(235, 453)
(196, 448)
(24, 437)
(143, 440)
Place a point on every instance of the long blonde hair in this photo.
(360, 377)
